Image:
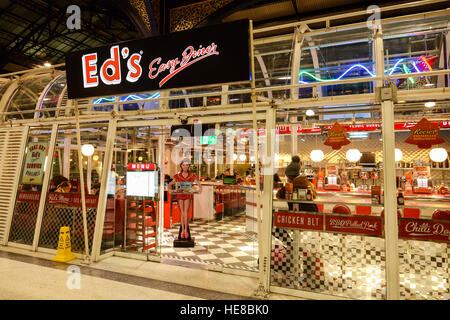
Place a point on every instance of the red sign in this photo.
(141, 166)
(307, 221)
(424, 230)
(354, 224)
(70, 199)
(25, 196)
(424, 134)
(336, 137)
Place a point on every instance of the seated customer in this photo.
(64, 187)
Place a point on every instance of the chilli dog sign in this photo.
(202, 56)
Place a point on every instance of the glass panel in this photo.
(25, 99)
(222, 218)
(422, 140)
(331, 57)
(52, 97)
(327, 234)
(132, 191)
(63, 204)
(30, 186)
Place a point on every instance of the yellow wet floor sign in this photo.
(64, 253)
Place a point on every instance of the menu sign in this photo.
(213, 54)
(33, 171)
(354, 224)
(306, 221)
(424, 134)
(424, 230)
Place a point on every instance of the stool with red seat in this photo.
(341, 209)
(439, 214)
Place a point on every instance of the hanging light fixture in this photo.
(235, 156)
(242, 157)
(438, 154)
(309, 112)
(430, 104)
(87, 150)
(398, 154)
(353, 155)
(317, 155)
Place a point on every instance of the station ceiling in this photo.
(33, 32)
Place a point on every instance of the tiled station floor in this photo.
(225, 242)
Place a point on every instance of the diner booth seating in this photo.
(363, 210)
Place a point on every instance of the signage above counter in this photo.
(209, 55)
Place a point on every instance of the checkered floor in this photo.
(224, 243)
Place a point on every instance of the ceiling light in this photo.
(87, 150)
(353, 155)
(47, 64)
(398, 154)
(438, 154)
(317, 155)
(242, 157)
(309, 113)
(234, 156)
(430, 104)
(95, 158)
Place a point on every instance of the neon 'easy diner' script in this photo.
(110, 71)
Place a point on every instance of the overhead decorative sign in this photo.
(214, 54)
(33, 171)
(336, 137)
(424, 134)
(424, 230)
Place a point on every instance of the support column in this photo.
(106, 169)
(44, 191)
(390, 201)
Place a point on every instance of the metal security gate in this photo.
(12, 144)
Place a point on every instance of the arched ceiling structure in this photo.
(33, 32)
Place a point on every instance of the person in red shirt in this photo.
(185, 200)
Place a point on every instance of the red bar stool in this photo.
(439, 214)
(341, 209)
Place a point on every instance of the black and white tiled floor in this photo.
(225, 243)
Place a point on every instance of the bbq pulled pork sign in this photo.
(215, 54)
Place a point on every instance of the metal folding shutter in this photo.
(12, 144)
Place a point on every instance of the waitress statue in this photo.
(185, 200)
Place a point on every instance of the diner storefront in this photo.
(365, 107)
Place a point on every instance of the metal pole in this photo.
(44, 190)
(87, 258)
(261, 288)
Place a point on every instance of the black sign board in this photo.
(194, 130)
(208, 55)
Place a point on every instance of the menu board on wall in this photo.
(208, 55)
(33, 170)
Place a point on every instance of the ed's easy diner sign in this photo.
(215, 54)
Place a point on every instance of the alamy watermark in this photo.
(74, 279)
(74, 20)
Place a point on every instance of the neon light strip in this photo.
(426, 62)
(363, 67)
(407, 70)
(395, 66)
